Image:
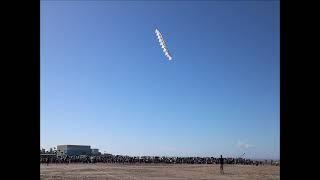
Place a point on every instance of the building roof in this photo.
(75, 145)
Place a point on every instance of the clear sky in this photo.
(105, 81)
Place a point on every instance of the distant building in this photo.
(95, 152)
(73, 150)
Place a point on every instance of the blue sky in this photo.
(105, 81)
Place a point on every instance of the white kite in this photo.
(163, 44)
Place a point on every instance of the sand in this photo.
(157, 172)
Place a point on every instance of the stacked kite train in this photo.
(163, 44)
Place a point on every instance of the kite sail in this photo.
(163, 44)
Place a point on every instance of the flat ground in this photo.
(157, 171)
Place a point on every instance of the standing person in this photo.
(221, 164)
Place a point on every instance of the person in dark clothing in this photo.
(221, 160)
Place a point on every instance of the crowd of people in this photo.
(109, 158)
